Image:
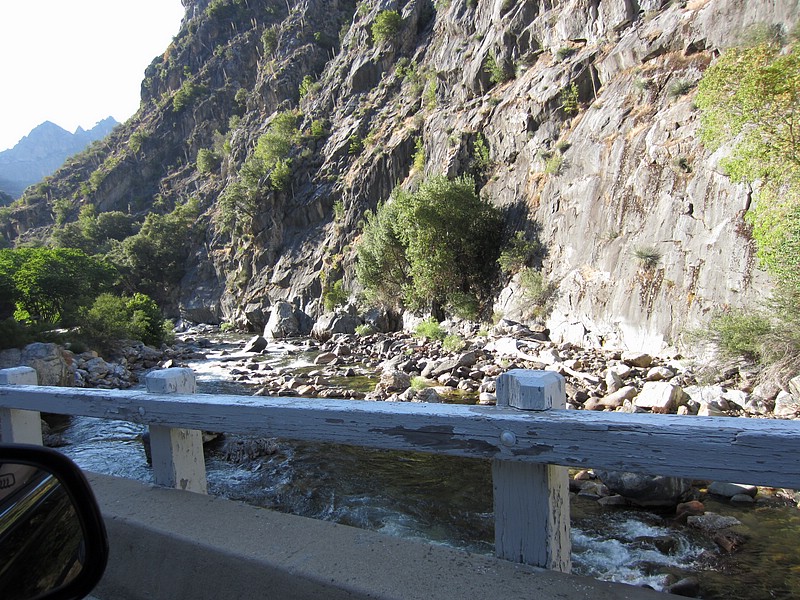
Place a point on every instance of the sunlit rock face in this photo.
(587, 116)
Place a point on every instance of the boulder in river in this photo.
(647, 490)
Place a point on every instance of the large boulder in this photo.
(335, 322)
(53, 365)
(283, 322)
(647, 490)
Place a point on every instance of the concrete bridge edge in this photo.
(170, 544)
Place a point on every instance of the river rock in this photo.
(335, 322)
(688, 587)
(659, 374)
(283, 322)
(786, 405)
(325, 358)
(428, 395)
(52, 363)
(393, 381)
(646, 490)
(728, 490)
(617, 399)
(659, 397)
(712, 522)
(637, 359)
(255, 344)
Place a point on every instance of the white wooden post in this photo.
(177, 454)
(20, 426)
(531, 501)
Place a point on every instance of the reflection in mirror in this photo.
(41, 537)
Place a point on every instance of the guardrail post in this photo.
(177, 454)
(531, 501)
(20, 426)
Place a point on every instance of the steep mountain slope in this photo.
(575, 116)
(43, 151)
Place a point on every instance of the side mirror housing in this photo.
(53, 543)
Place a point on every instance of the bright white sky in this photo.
(76, 62)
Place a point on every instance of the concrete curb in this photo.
(178, 545)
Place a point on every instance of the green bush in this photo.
(269, 40)
(113, 318)
(433, 247)
(535, 289)
(569, 99)
(740, 334)
(186, 95)
(335, 295)
(364, 330)
(153, 261)
(207, 161)
(386, 26)
(453, 343)
(519, 252)
(430, 330)
(51, 285)
(497, 69)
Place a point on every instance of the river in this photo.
(445, 500)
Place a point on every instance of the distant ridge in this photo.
(41, 152)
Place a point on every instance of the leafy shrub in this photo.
(154, 260)
(564, 53)
(307, 85)
(319, 128)
(481, 158)
(386, 26)
(430, 330)
(186, 95)
(679, 88)
(335, 296)
(51, 285)
(518, 253)
(497, 69)
(364, 330)
(453, 343)
(112, 318)
(569, 99)
(207, 160)
(355, 144)
(554, 164)
(535, 289)
(739, 333)
(269, 40)
(281, 175)
(433, 247)
(419, 155)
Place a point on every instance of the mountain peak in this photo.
(44, 150)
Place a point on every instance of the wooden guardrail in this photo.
(529, 437)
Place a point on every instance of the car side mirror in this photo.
(53, 543)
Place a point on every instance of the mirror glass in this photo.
(41, 538)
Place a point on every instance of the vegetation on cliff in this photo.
(750, 98)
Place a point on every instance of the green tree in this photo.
(750, 99)
(386, 26)
(436, 247)
(112, 318)
(154, 260)
(52, 284)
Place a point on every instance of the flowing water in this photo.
(447, 500)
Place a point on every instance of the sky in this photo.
(76, 62)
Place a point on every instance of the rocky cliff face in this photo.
(585, 107)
